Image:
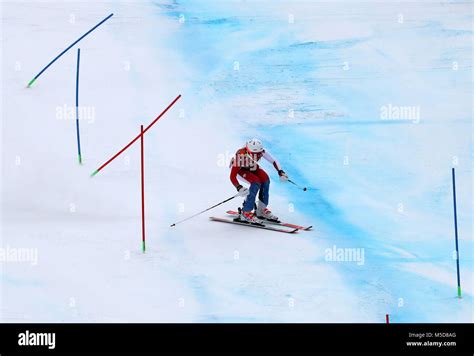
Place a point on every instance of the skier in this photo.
(244, 166)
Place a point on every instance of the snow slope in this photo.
(86, 230)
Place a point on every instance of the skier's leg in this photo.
(254, 182)
(264, 193)
(249, 203)
(250, 199)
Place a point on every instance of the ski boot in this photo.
(248, 217)
(265, 214)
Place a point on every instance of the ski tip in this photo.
(309, 228)
(172, 225)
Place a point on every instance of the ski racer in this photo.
(244, 165)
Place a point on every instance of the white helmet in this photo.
(254, 146)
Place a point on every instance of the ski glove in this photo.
(243, 192)
(283, 175)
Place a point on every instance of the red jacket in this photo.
(248, 161)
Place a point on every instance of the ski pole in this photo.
(304, 188)
(456, 231)
(212, 207)
(289, 180)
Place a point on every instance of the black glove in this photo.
(283, 175)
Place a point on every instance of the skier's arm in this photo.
(233, 175)
(243, 191)
(234, 170)
(272, 160)
(275, 163)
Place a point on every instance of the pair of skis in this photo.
(266, 226)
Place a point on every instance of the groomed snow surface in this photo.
(314, 81)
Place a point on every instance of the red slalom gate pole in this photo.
(136, 138)
(387, 319)
(143, 187)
